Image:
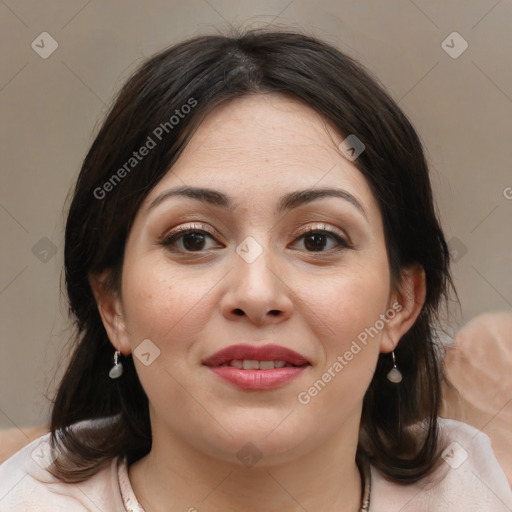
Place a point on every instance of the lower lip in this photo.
(258, 379)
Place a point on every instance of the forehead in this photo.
(258, 147)
(263, 129)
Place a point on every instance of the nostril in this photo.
(274, 312)
(238, 312)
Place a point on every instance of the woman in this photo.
(255, 265)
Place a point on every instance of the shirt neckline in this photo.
(131, 503)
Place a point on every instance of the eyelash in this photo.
(177, 234)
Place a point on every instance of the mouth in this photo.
(257, 367)
(251, 357)
(254, 364)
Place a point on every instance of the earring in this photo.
(394, 375)
(117, 370)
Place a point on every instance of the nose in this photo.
(257, 291)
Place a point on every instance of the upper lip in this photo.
(258, 353)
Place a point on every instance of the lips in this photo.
(249, 354)
(253, 368)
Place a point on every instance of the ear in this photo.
(407, 302)
(111, 312)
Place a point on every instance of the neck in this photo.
(176, 476)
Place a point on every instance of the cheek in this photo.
(347, 304)
(346, 310)
(164, 306)
(167, 308)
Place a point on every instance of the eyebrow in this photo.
(287, 202)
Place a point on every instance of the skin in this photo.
(191, 304)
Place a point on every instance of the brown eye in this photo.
(322, 241)
(315, 241)
(191, 240)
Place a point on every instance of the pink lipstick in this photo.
(252, 367)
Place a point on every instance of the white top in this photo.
(469, 480)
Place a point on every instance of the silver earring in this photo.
(117, 370)
(394, 375)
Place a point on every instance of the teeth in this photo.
(253, 364)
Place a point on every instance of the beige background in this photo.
(50, 109)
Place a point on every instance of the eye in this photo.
(189, 239)
(322, 240)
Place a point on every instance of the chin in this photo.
(261, 437)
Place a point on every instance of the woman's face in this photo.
(262, 260)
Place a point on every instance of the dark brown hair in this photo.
(205, 72)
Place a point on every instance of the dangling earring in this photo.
(117, 370)
(394, 375)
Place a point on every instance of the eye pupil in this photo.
(193, 241)
(315, 241)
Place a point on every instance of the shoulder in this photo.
(26, 485)
(467, 479)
